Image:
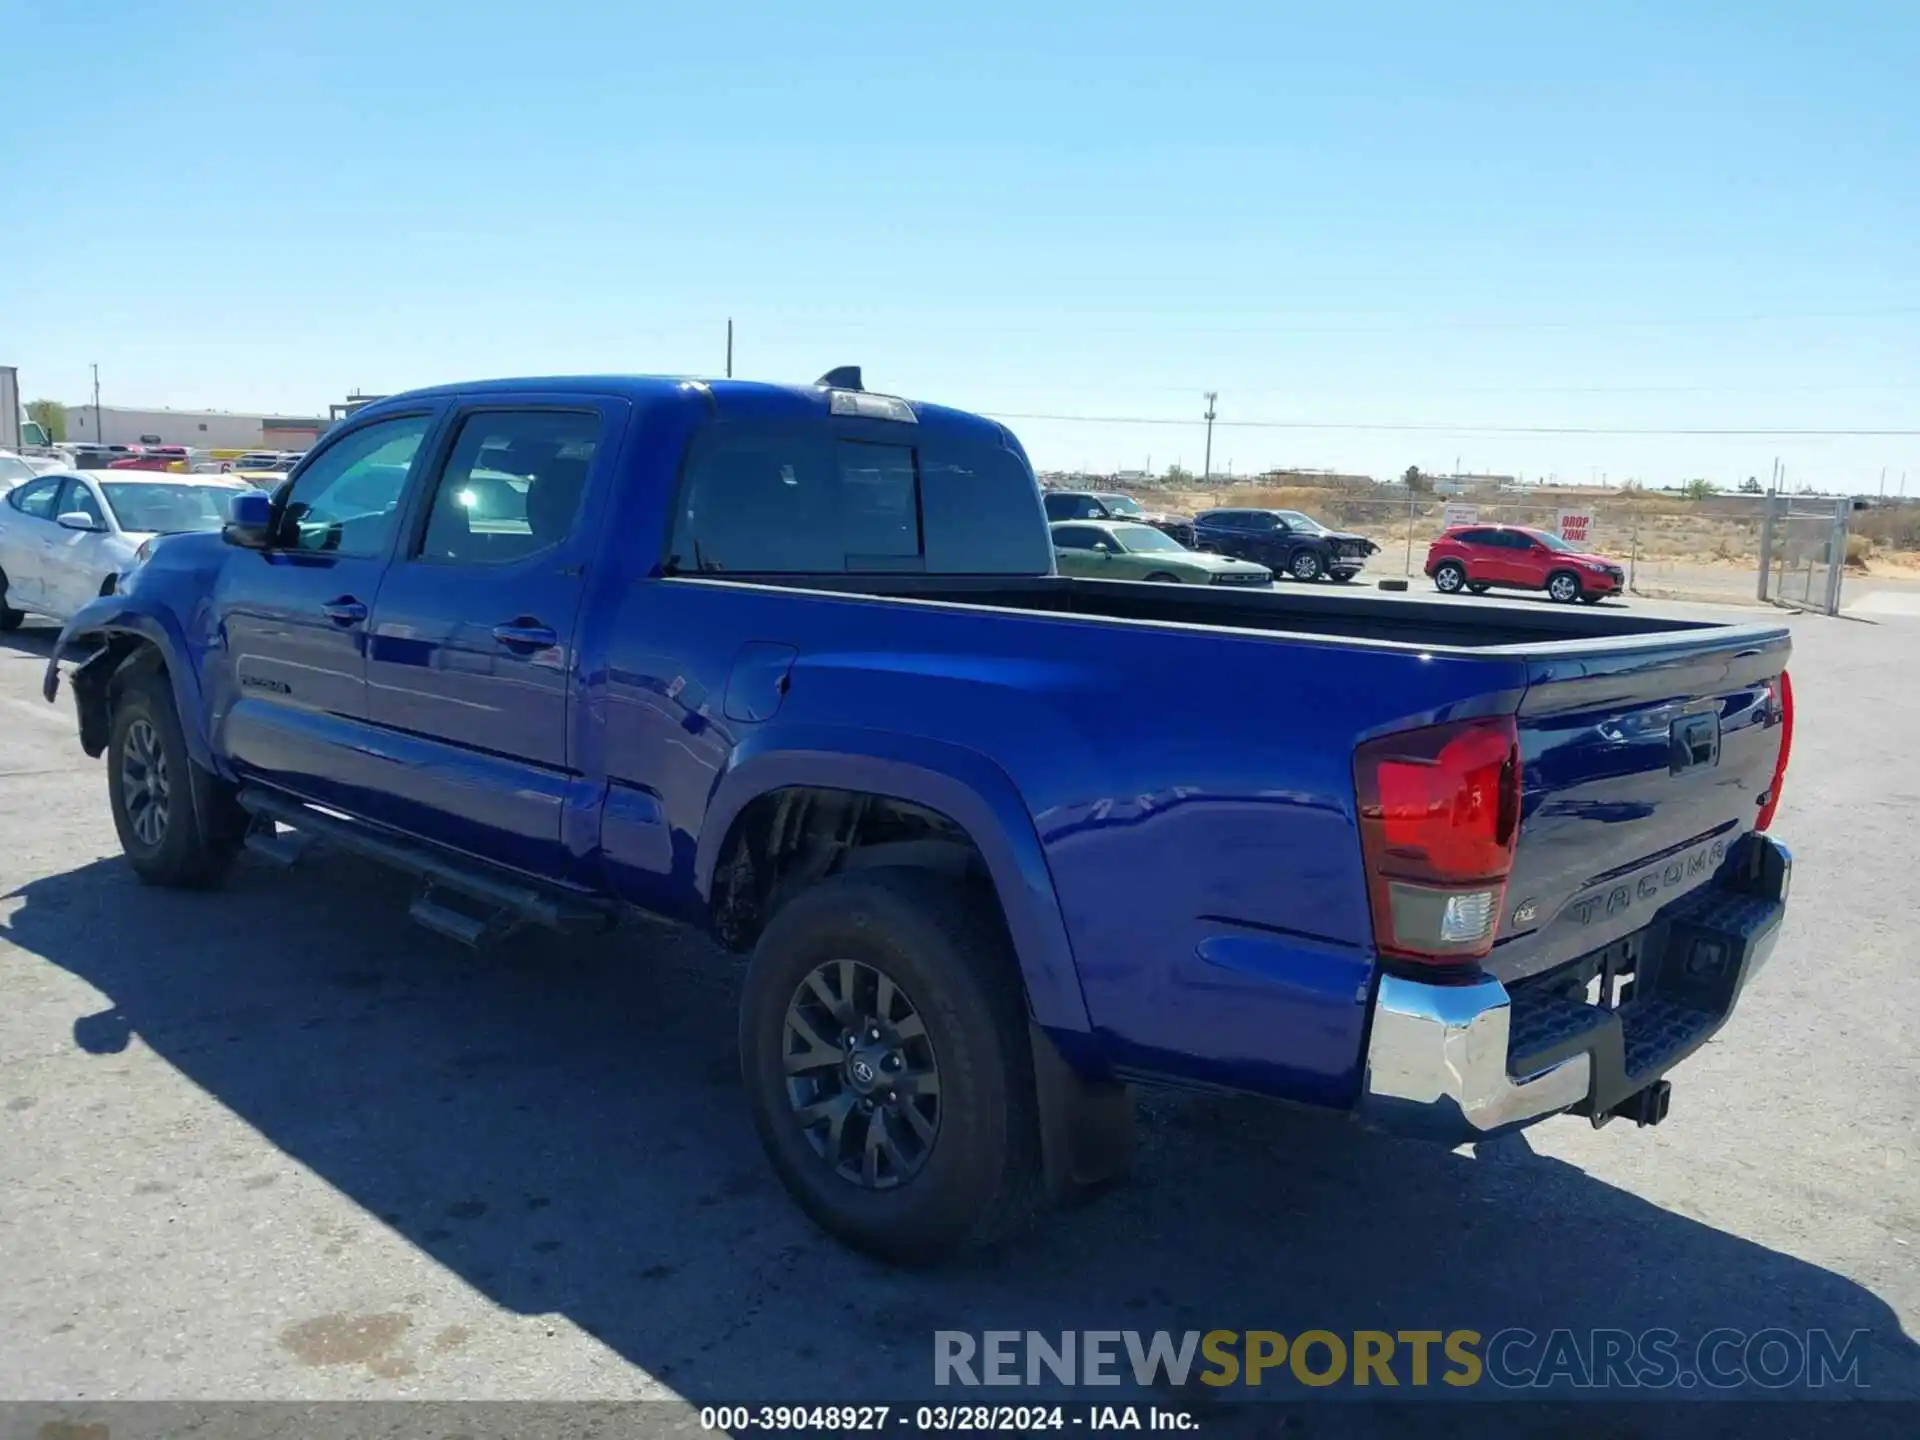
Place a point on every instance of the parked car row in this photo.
(1471, 559)
(1284, 542)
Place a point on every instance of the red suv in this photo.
(1478, 557)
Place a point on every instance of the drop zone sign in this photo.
(1576, 527)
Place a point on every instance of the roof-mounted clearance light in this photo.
(869, 406)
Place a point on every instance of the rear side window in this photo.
(807, 502)
(512, 486)
(1075, 537)
(1064, 506)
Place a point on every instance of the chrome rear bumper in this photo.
(1440, 1061)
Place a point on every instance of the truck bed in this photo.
(1339, 614)
(1612, 825)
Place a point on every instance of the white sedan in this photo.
(14, 469)
(66, 538)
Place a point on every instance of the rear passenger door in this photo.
(1213, 530)
(1482, 558)
(470, 658)
(26, 533)
(1507, 558)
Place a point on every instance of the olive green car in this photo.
(1115, 550)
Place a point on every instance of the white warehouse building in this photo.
(200, 429)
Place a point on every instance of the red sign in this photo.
(1576, 527)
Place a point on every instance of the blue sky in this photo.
(1452, 216)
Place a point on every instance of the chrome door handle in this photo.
(344, 611)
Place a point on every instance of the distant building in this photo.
(1466, 484)
(201, 429)
(340, 409)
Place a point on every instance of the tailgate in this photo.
(1640, 768)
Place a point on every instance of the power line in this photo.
(1311, 323)
(1764, 433)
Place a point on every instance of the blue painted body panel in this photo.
(1169, 823)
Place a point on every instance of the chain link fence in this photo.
(1671, 546)
(1806, 553)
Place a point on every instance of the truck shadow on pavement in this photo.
(560, 1125)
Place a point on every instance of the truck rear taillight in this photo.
(1782, 696)
(1439, 816)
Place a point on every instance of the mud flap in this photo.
(1086, 1126)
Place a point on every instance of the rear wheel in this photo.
(1449, 576)
(1564, 586)
(1343, 576)
(1163, 578)
(179, 826)
(1305, 565)
(9, 618)
(884, 1047)
(1478, 588)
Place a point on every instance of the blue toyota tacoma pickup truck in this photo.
(793, 663)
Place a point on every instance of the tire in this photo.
(1563, 586)
(1449, 576)
(10, 618)
(179, 826)
(1591, 597)
(1478, 588)
(978, 1173)
(1305, 565)
(1344, 577)
(1161, 577)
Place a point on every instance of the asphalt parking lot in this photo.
(278, 1143)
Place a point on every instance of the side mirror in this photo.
(249, 520)
(77, 520)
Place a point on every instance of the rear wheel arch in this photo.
(788, 839)
(944, 803)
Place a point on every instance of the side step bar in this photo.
(508, 898)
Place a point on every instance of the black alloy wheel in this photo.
(146, 787)
(862, 1078)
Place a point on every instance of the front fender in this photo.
(961, 784)
(92, 632)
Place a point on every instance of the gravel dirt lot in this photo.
(277, 1143)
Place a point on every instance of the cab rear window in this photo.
(808, 502)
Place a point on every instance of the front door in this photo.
(470, 668)
(77, 561)
(292, 702)
(1077, 551)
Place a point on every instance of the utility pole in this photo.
(1883, 482)
(1207, 473)
(99, 435)
(729, 347)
